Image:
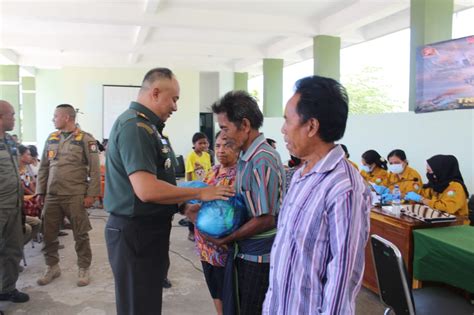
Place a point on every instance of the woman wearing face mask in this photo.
(401, 174)
(445, 189)
(374, 168)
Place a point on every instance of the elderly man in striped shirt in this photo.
(317, 259)
(260, 181)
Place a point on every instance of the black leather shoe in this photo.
(166, 283)
(15, 296)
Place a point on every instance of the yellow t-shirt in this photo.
(197, 165)
(452, 200)
(378, 176)
(408, 180)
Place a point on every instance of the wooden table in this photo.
(397, 230)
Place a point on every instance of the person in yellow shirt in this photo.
(445, 189)
(198, 162)
(374, 168)
(348, 155)
(401, 174)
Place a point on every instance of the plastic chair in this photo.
(395, 287)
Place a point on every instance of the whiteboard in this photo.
(116, 99)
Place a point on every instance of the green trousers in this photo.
(11, 247)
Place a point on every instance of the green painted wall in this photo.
(431, 21)
(28, 84)
(241, 81)
(28, 109)
(11, 92)
(83, 88)
(327, 55)
(273, 87)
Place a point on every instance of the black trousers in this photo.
(253, 285)
(138, 254)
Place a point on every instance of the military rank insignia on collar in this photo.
(92, 147)
(142, 115)
(55, 136)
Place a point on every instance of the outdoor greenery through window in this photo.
(376, 74)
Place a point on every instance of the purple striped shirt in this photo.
(317, 259)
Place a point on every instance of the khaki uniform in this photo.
(69, 171)
(452, 200)
(11, 195)
(378, 176)
(408, 180)
(32, 227)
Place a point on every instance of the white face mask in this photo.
(366, 168)
(395, 168)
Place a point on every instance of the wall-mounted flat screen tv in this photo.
(445, 75)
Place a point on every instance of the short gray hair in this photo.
(156, 74)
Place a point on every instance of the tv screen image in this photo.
(445, 75)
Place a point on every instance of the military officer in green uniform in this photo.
(68, 182)
(141, 195)
(11, 195)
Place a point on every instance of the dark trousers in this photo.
(253, 285)
(138, 254)
(11, 246)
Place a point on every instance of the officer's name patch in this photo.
(92, 147)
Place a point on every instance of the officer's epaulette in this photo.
(142, 115)
(54, 135)
(146, 127)
(78, 134)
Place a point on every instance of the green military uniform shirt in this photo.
(10, 183)
(136, 143)
(69, 165)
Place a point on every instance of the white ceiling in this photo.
(213, 35)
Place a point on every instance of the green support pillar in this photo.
(430, 21)
(272, 87)
(28, 109)
(327, 55)
(241, 81)
(10, 92)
